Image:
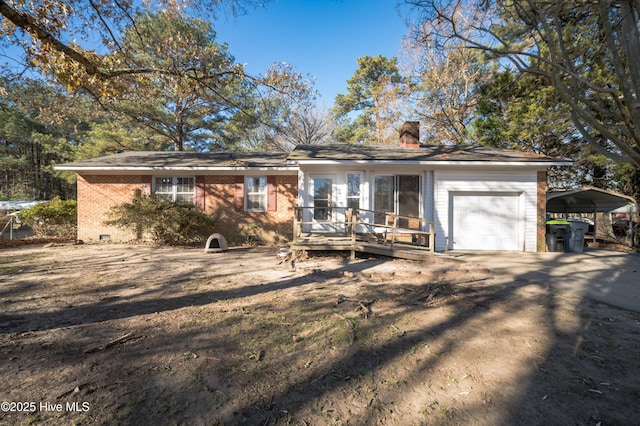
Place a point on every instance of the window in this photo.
(399, 194)
(174, 188)
(408, 197)
(322, 197)
(353, 191)
(384, 194)
(383, 198)
(256, 193)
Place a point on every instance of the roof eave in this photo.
(433, 163)
(180, 169)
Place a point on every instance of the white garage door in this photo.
(486, 221)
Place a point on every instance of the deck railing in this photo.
(361, 225)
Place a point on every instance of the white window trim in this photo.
(374, 189)
(265, 194)
(174, 187)
(332, 196)
(360, 188)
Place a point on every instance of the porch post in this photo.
(351, 226)
(296, 224)
(432, 237)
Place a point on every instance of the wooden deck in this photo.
(356, 231)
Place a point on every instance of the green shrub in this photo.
(165, 222)
(56, 217)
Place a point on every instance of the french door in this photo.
(398, 194)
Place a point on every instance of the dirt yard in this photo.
(138, 335)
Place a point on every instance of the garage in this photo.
(486, 221)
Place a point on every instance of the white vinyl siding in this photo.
(437, 188)
(523, 184)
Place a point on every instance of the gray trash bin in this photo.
(576, 236)
(558, 235)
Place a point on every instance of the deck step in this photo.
(398, 251)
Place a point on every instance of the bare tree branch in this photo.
(589, 50)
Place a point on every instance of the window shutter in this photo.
(145, 187)
(238, 199)
(272, 194)
(200, 192)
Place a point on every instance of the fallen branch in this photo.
(432, 293)
(107, 345)
(364, 308)
(259, 356)
(350, 328)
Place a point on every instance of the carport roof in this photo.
(587, 200)
(18, 205)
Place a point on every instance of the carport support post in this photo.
(595, 224)
(630, 227)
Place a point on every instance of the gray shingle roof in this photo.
(172, 160)
(159, 160)
(424, 153)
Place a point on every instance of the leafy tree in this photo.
(56, 217)
(166, 222)
(525, 113)
(372, 91)
(627, 179)
(68, 40)
(41, 126)
(588, 51)
(177, 102)
(139, 54)
(521, 112)
(32, 140)
(111, 134)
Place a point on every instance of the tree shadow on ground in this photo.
(578, 374)
(303, 350)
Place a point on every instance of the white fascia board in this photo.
(170, 169)
(434, 163)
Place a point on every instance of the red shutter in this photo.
(272, 194)
(145, 187)
(238, 198)
(200, 192)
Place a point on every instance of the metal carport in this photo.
(591, 200)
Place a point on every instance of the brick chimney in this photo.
(410, 134)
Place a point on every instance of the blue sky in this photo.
(321, 38)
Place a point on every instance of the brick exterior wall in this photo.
(97, 194)
(271, 227)
(541, 230)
